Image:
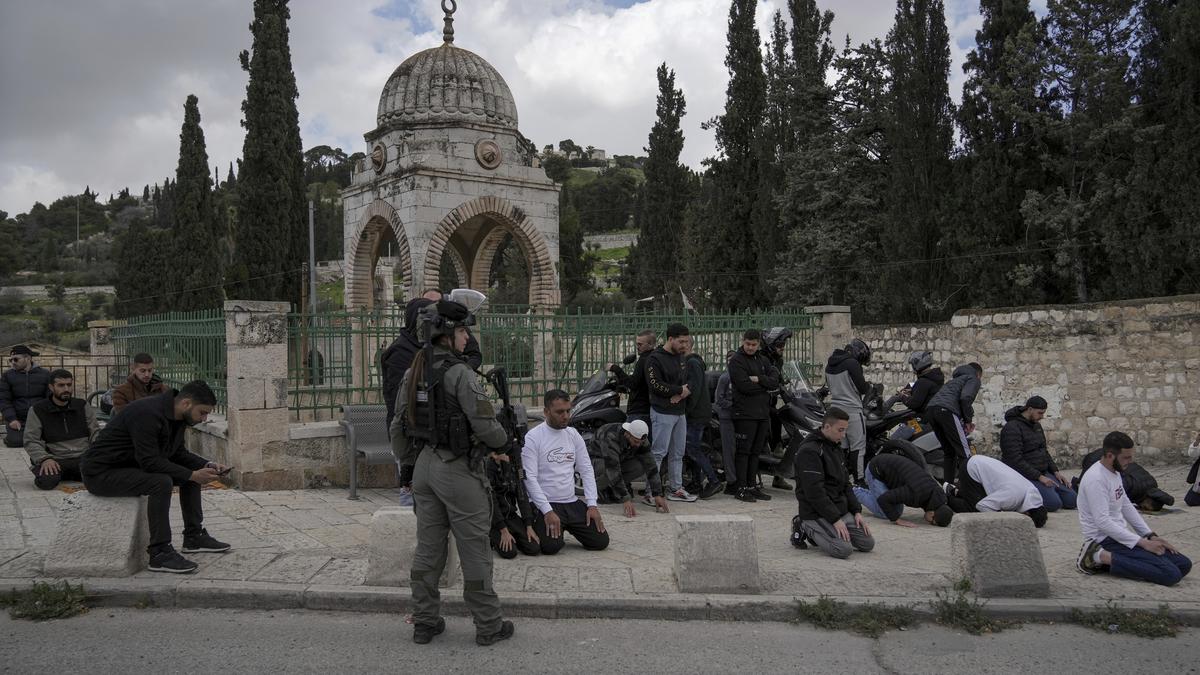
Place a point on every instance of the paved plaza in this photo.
(319, 538)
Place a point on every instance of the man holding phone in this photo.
(141, 452)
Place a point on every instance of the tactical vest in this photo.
(435, 424)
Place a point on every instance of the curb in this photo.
(173, 593)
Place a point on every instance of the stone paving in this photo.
(320, 537)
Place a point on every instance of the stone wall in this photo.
(1130, 366)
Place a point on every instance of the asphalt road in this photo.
(190, 641)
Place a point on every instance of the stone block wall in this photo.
(1131, 366)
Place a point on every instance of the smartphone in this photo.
(225, 472)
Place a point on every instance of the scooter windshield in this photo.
(594, 383)
(796, 382)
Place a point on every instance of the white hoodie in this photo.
(1006, 489)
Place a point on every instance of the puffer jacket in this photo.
(1023, 445)
(20, 390)
(822, 484)
(928, 383)
(958, 395)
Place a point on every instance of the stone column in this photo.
(833, 330)
(257, 381)
(106, 363)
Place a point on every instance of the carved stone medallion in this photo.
(487, 153)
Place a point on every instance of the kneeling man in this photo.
(830, 515)
(894, 482)
(1106, 516)
(141, 452)
(991, 485)
(553, 453)
(621, 455)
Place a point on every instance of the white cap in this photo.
(636, 427)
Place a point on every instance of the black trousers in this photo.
(968, 494)
(574, 520)
(521, 543)
(68, 470)
(130, 482)
(949, 431)
(751, 440)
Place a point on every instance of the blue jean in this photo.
(869, 496)
(1057, 497)
(1138, 563)
(669, 440)
(693, 445)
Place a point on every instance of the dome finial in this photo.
(449, 7)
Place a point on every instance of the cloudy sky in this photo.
(92, 91)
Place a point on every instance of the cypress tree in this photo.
(653, 266)
(271, 235)
(196, 273)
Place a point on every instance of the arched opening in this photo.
(380, 264)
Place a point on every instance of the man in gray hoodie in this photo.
(847, 386)
(951, 413)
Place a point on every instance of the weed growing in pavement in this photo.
(871, 620)
(956, 610)
(1112, 618)
(45, 601)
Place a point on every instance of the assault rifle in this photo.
(516, 424)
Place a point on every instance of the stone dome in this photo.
(447, 85)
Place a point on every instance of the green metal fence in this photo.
(334, 356)
(186, 346)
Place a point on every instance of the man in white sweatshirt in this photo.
(1106, 516)
(553, 453)
(991, 485)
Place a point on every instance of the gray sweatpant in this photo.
(821, 533)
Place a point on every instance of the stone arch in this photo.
(377, 218)
(481, 269)
(460, 265)
(543, 281)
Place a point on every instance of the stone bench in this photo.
(393, 542)
(99, 537)
(716, 554)
(999, 553)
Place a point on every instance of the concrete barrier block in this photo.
(393, 542)
(999, 553)
(716, 554)
(99, 537)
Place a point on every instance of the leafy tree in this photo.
(568, 148)
(271, 233)
(653, 264)
(606, 203)
(196, 237)
(557, 168)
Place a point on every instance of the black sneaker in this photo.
(780, 484)
(169, 560)
(711, 490)
(1085, 562)
(798, 538)
(202, 543)
(745, 495)
(423, 633)
(506, 631)
(731, 489)
(760, 494)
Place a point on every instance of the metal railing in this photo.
(334, 356)
(186, 346)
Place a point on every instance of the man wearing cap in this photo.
(59, 430)
(23, 385)
(894, 482)
(621, 455)
(1023, 448)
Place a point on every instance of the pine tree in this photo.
(271, 235)
(725, 226)
(653, 265)
(195, 276)
(921, 139)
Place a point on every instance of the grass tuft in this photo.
(45, 601)
(1112, 618)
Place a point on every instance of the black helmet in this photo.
(776, 337)
(860, 350)
(442, 317)
(920, 361)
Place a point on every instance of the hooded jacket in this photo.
(752, 400)
(133, 389)
(958, 395)
(822, 484)
(19, 390)
(698, 404)
(396, 359)
(665, 377)
(844, 377)
(908, 485)
(1023, 445)
(928, 383)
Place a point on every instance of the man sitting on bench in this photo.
(141, 452)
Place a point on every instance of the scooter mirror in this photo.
(469, 298)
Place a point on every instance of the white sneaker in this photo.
(681, 495)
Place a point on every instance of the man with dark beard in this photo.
(141, 453)
(58, 431)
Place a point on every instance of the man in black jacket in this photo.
(894, 482)
(752, 378)
(830, 515)
(57, 432)
(21, 387)
(512, 515)
(620, 454)
(951, 412)
(141, 452)
(638, 405)
(667, 382)
(699, 411)
(1023, 447)
(929, 381)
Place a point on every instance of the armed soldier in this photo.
(442, 419)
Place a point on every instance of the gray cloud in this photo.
(91, 93)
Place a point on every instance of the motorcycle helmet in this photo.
(920, 361)
(442, 317)
(860, 350)
(775, 339)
